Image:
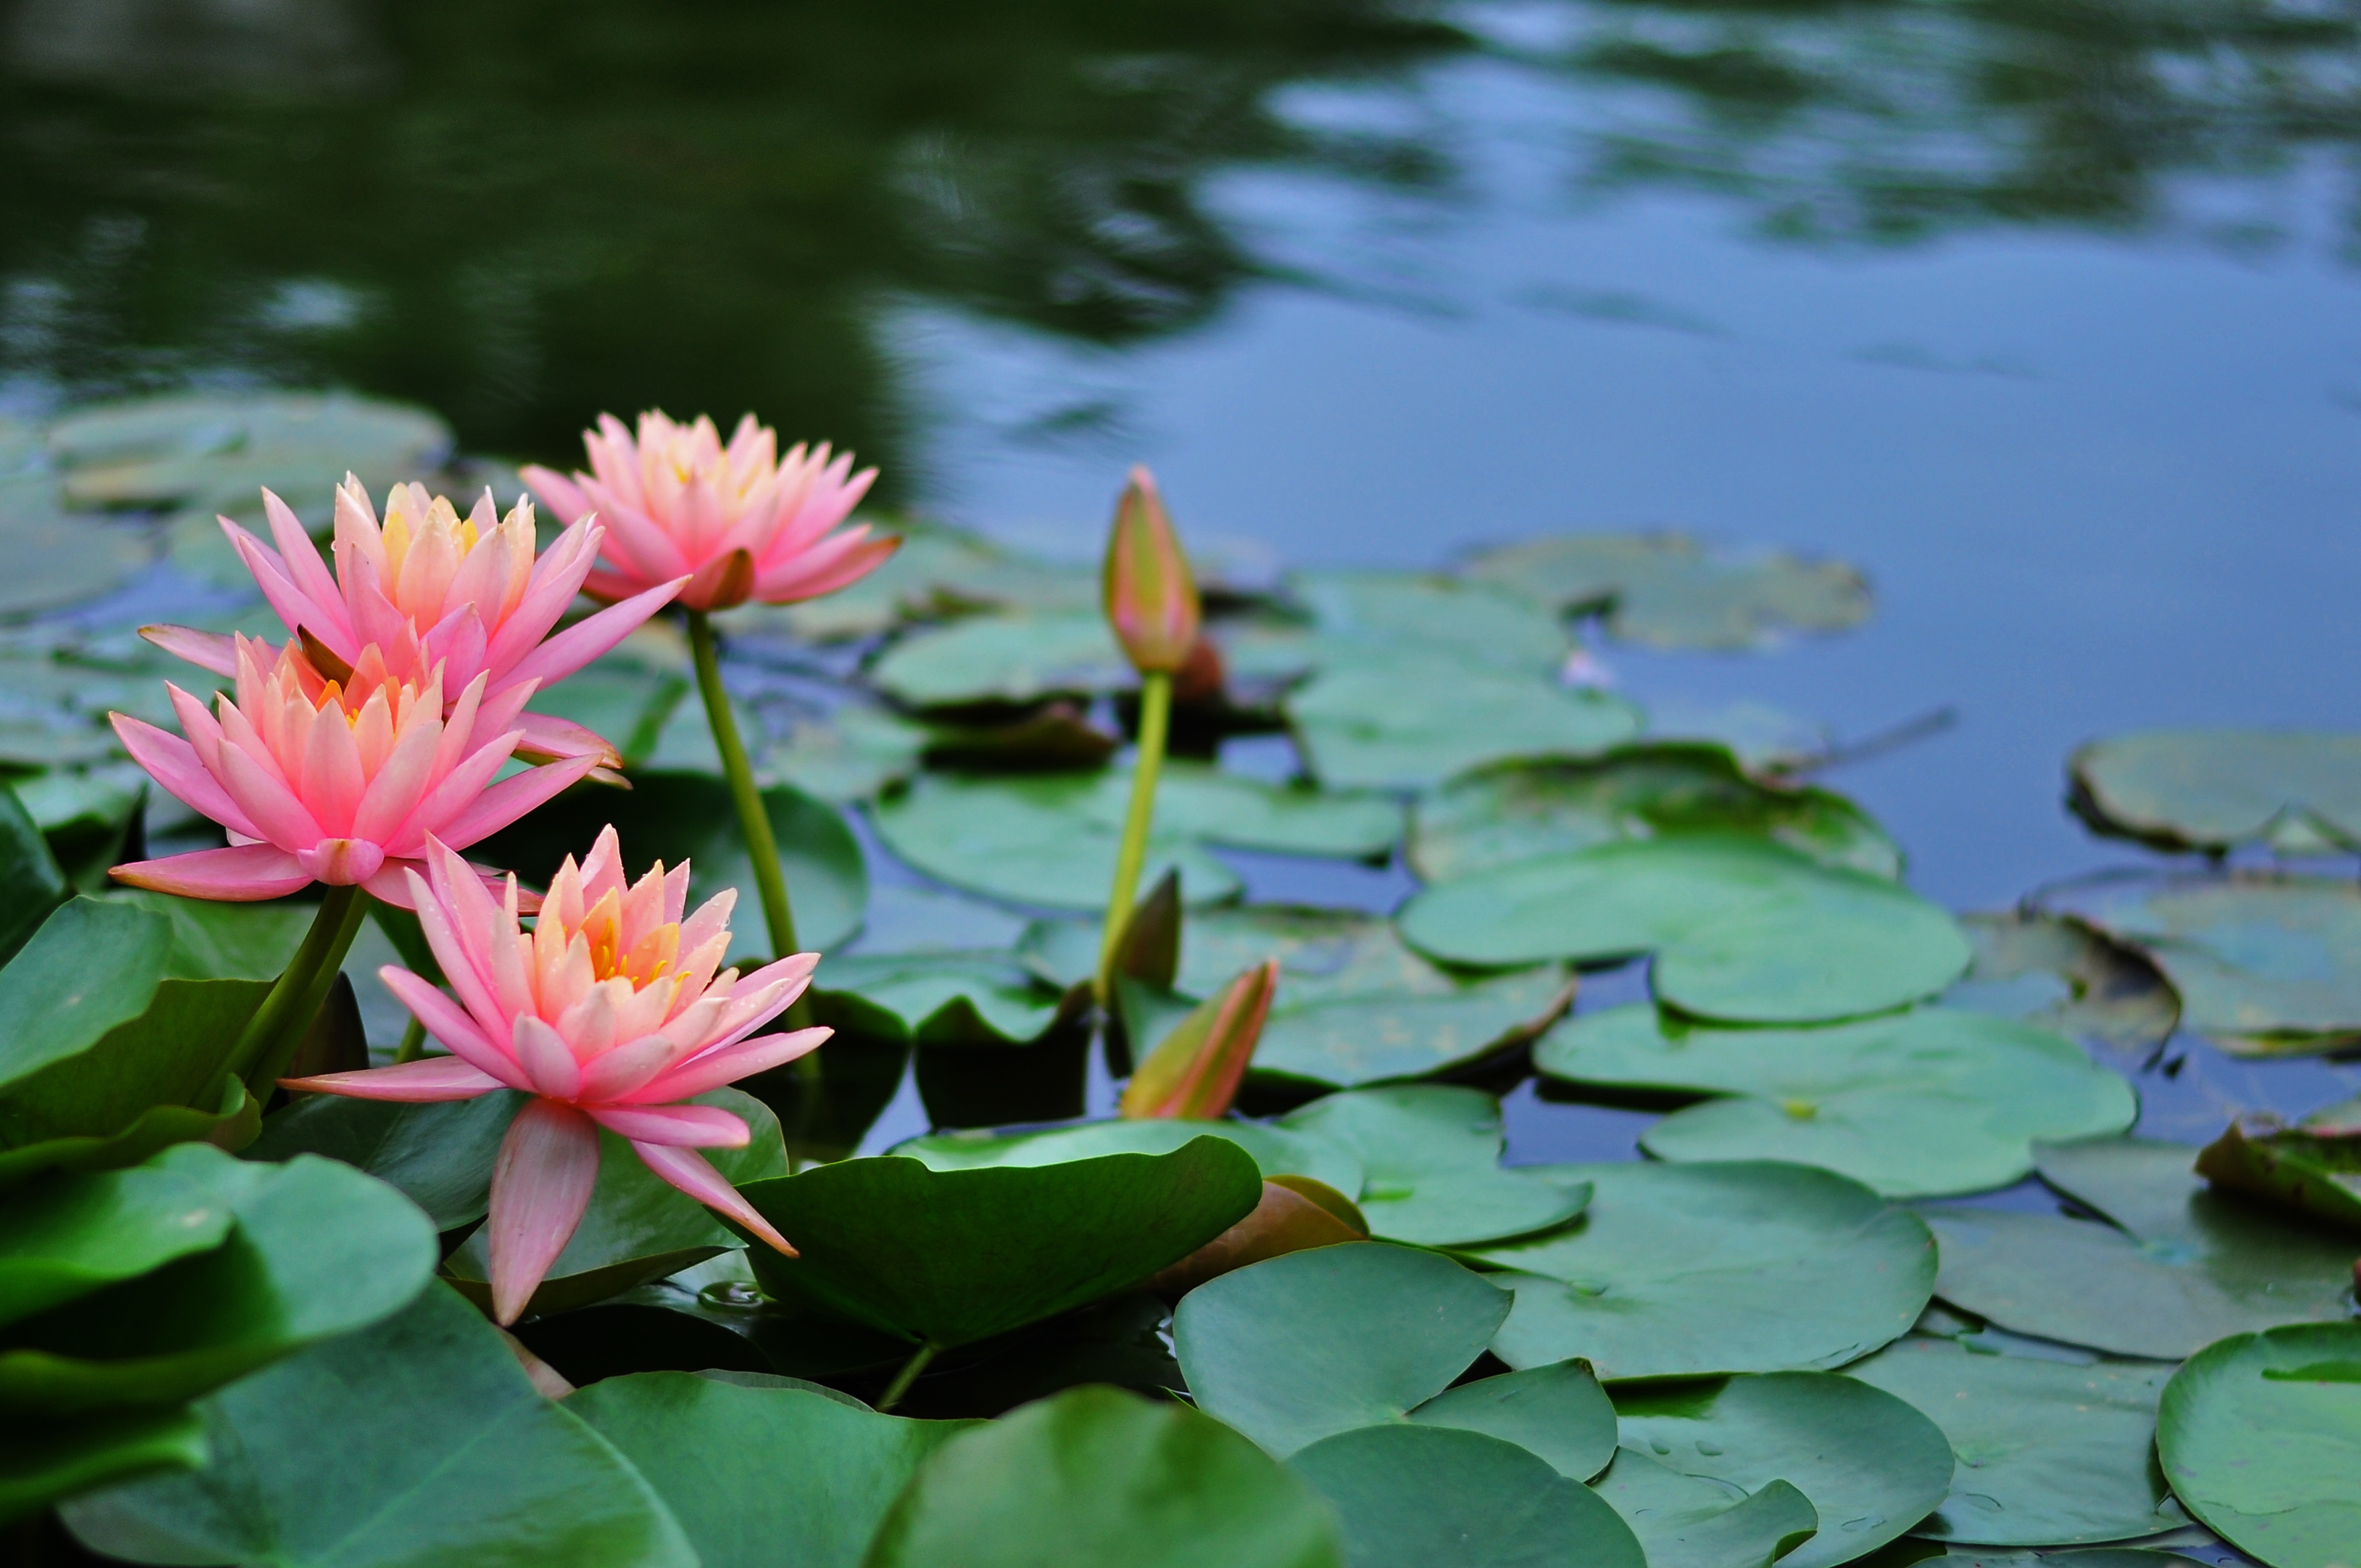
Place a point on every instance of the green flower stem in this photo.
(1155, 722)
(277, 1028)
(413, 1043)
(753, 822)
(908, 1375)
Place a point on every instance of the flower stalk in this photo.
(754, 821)
(268, 1042)
(1155, 723)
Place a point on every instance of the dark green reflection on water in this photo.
(521, 213)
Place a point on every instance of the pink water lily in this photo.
(429, 588)
(607, 1013)
(741, 522)
(334, 780)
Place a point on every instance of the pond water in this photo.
(2044, 315)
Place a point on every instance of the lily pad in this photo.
(2056, 973)
(1276, 1150)
(2298, 792)
(1408, 1496)
(2265, 964)
(1407, 724)
(1004, 661)
(57, 559)
(58, 1460)
(317, 1250)
(639, 1227)
(1051, 840)
(2260, 1436)
(215, 450)
(950, 1257)
(939, 573)
(2179, 1267)
(2315, 1172)
(1429, 1157)
(77, 1233)
(421, 1442)
(939, 998)
(1301, 1347)
(1871, 1465)
(1358, 615)
(1665, 590)
(1524, 810)
(30, 878)
(2049, 1453)
(1743, 929)
(1558, 1412)
(1099, 1478)
(747, 1469)
(1931, 1102)
(1668, 1272)
(1685, 1522)
(438, 1155)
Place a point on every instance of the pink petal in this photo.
(586, 639)
(461, 1031)
(244, 873)
(172, 762)
(213, 651)
(272, 806)
(541, 1185)
(556, 577)
(429, 1078)
(304, 568)
(290, 603)
(391, 883)
(711, 1069)
(610, 1077)
(803, 580)
(511, 799)
(451, 794)
(548, 736)
(386, 801)
(557, 492)
(679, 1126)
(690, 1172)
(546, 1058)
(341, 863)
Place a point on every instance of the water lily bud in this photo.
(1151, 600)
(1195, 1073)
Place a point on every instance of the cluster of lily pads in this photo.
(1305, 1317)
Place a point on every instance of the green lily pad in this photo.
(2049, 1453)
(438, 1155)
(1406, 723)
(2179, 1267)
(939, 998)
(30, 880)
(1276, 1150)
(639, 1227)
(2265, 964)
(1685, 1522)
(1412, 1496)
(81, 1233)
(57, 559)
(908, 917)
(747, 1470)
(1429, 1157)
(948, 1257)
(677, 816)
(2058, 973)
(1312, 1343)
(1357, 614)
(318, 1250)
(1095, 1477)
(216, 449)
(1004, 660)
(2315, 1172)
(60, 1459)
(420, 1442)
(1743, 929)
(1050, 838)
(1871, 1465)
(939, 573)
(2298, 792)
(1665, 590)
(1558, 1412)
(1931, 1102)
(1668, 1272)
(853, 754)
(2260, 1437)
(1523, 810)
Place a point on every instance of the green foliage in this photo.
(2260, 1436)
(1685, 1522)
(2217, 789)
(1429, 1157)
(1665, 590)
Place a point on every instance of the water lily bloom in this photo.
(607, 1012)
(334, 780)
(741, 522)
(429, 588)
(1151, 600)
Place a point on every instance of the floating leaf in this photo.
(1004, 661)
(938, 572)
(1276, 1150)
(1558, 1412)
(421, 1442)
(2265, 964)
(1052, 838)
(1931, 1102)
(1684, 1522)
(2050, 1453)
(2298, 792)
(2179, 1267)
(940, 998)
(1525, 810)
(2315, 1172)
(1099, 1478)
(950, 1257)
(215, 450)
(1317, 1343)
(2058, 973)
(1408, 722)
(2260, 1437)
(1358, 615)
(58, 1460)
(1429, 1157)
(77, 1233)
(1743, 929)
(31, 885)
(1871, 1465)
(1675, 1271)
(56, 559)
(1665, 590)
(638, 1227)
(1408, 1496)
(752, 1472)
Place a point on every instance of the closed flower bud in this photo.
(1151, 600)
